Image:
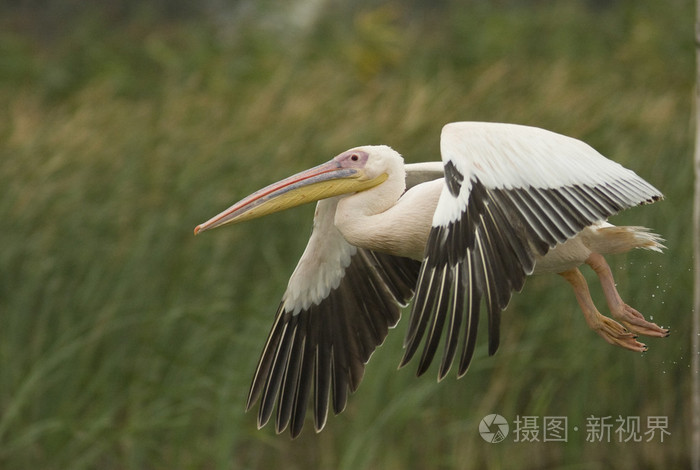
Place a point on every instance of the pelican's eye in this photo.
(354, 158)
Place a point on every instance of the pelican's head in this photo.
(352, 171)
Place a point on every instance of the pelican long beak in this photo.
(321, 182)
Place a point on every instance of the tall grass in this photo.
(126, 343)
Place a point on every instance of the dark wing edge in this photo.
(325, 347)
(488, 251)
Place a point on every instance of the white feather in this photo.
(508, 156)
(322, 266)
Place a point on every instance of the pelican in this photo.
(506, 201)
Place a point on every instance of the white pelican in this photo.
(505, 202)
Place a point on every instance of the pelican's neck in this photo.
(385, 219)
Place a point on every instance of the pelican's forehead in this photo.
(382, 151)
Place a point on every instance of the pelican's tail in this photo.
(612, 239)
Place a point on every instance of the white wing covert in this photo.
(511, 193)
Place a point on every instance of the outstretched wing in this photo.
(511, 192)
(338, 307)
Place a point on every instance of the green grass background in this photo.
(127, 343)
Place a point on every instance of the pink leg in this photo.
(631, 318)
(609, 329)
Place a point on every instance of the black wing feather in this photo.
(325, 347)
(491, 248)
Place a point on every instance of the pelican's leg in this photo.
(631, 318)
(609, 329)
